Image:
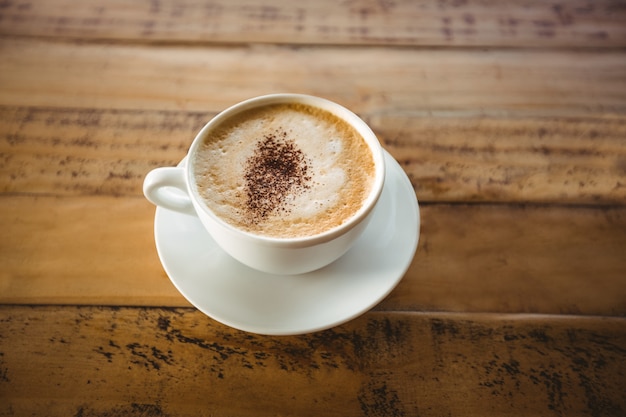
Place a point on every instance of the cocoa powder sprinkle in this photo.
(276, 170)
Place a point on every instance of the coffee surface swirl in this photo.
(284, 170)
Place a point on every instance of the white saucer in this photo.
(249, 300)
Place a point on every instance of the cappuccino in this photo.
(284, 170)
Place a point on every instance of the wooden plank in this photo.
(491, 258)
(519, 259)
(95, 361)
(507, 159)
(35, 72)
(89, 151)
(97, 250)
(404, 22)
(562, 160)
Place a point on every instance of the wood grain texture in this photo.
(95, 361)
(90, 151)
(97, 250)
(36, 72)
(564, 160)
(508, 117)
(518, 259)
(475, 258)
(405, 22)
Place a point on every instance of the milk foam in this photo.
(338, 164)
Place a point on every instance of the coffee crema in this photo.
(284, 170)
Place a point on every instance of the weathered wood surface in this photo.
(508, 117)
(578, 82)
(564, 160)
(81, 250)
(407, 22)
(100, 250)
(95, 361)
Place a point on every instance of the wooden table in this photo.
(508, 117)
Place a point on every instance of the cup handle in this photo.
(166, 187)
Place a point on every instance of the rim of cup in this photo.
(336, 109)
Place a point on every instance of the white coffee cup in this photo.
(174, 188)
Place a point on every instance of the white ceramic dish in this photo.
(257, 302)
